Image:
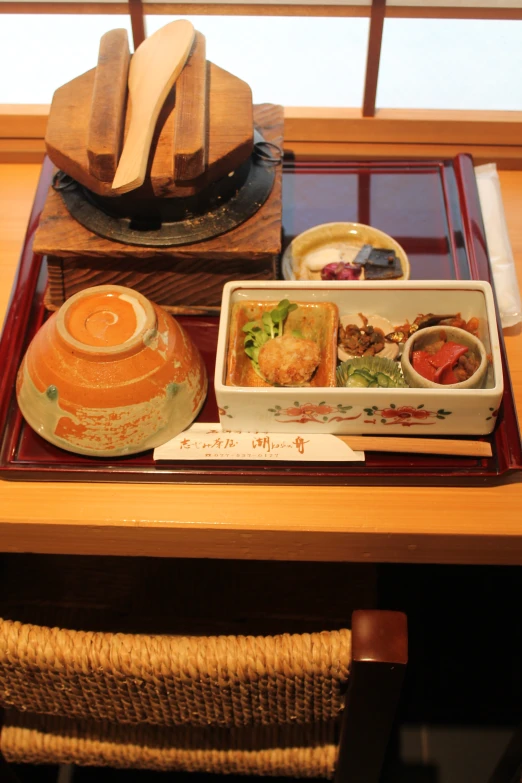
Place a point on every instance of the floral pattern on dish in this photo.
(320, 413)
(404, 415)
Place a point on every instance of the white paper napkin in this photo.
(209, 442)
(499, 246)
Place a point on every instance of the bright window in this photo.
(40, 52)
(293, 61)
(296, 61)
(451, 64)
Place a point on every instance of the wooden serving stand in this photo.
(204, 132)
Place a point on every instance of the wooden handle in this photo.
(154, 68)
(457, 448)
(109, 97)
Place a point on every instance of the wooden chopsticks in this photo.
(458, 448)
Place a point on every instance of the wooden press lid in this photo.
(204, 130)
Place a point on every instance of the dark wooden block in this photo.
(186, 279)
(181, 285)
(109, 97)
(228, 129)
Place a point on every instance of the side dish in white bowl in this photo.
(444, 358)
(344, 252)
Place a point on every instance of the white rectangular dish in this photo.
(366, 410)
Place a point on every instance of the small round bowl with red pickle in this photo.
(345, 252)
(444, 357)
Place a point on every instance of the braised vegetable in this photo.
(445, 362)
(365, 340)
(340, 271)
(404, 331)
(378, 264)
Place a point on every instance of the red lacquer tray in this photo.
(431, 208)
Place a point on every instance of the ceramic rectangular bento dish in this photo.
(365, 410)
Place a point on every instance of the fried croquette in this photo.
(289, 360)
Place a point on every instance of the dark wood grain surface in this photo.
(191, 125)
(183, 277)
(109, 99)
(230, 134)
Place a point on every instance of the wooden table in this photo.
(374, 524)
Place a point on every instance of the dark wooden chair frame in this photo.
(509, 766)
(379, 658)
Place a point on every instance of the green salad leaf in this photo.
(267, 328)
